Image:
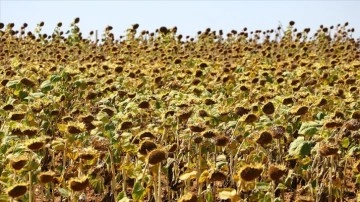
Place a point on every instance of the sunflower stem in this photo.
(113, 179)
(30, 186)
(198, 173)
(330, 199)
(159, 183)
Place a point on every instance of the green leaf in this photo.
(357, 179)
(278, 199)
(345, 142)
(320, 116)
(138, 191)
(157, 105)
(353, 151)
(239, 69)
(46, 86)
(79, 83)
(263, 186)
(12, 84)
(23, 95)
(4, 197)
(34, 96)
(281, 186)
(309, 128)
(64, 192)
(300, 147)
(55, 78)
(122, 197)
(110, 126)
(209, 197)
(267, 197)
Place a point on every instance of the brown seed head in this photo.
(221, 140)
(209, 134)
(203, 65)
(352, 124)
(78, 184)
(276, 172)
(46, 177)
(264, 138)
(250, 118)
(277, 132)
(87, 119)
(146, 146)
(268, 108)
(322, 102)
(135, 26)
(333, 124)
(36, 145)
(355, 115)
(197, 128)
(76, 20)
(30, 132)
(73, 129)
(240, 111)
(300, 110)
(173, 148)
(198, 139)
(87, 155)
(91, 95)
(126, 125)
(177, 61)
(18, 162)
(163, 30)
(100, 143)
(27, 82)
(185, 115)
(209, 101)
(8, 107)
(217, 176)
(17, 131)
(144, 105)
(156, 156)
(16, 190)
(16, 116)
(203, 113)
(250, 172)
(146, 134)
(327, 150)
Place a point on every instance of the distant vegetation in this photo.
(264, 115)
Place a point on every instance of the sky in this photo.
(189, 16)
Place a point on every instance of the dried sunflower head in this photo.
(78, 183)
(19, 162)
(46, 177)
(17, 190)
(156, 156)
(221, 140)
(146, 146)
(268, 108)
(250, 172)
(264, 138)
(276, 171)
(36, 144)
(328, 150)
(217, 176)
(209, 134)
